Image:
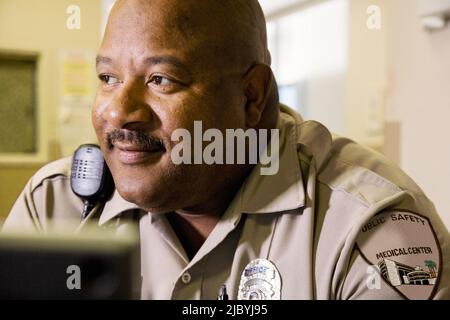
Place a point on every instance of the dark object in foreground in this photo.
(82, 267)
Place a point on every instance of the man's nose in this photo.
(128, 107)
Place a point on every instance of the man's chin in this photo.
(151, 202)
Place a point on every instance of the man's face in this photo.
(159, 72)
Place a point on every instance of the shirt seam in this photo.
(349, 195)
(53, 178)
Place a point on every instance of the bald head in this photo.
(230, 32)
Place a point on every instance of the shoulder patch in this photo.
(405, 250)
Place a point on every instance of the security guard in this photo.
(337, 221)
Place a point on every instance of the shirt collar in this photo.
(283, 191)
(114, 207)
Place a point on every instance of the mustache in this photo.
(137, 138)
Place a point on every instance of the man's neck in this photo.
(192, 230)
(195, 224)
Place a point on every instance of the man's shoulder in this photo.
(47, 196)
(343, 165)
(367, 206)
(57, 169)
(365, 173)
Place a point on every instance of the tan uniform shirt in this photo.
(316, 221)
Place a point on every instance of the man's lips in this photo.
(137, 148)
(134, 154)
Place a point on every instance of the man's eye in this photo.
(160, 81)
(109, 80)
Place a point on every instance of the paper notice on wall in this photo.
(76, 92)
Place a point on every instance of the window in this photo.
(309, 48)
(18, 123)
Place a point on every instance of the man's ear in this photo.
(256, 84)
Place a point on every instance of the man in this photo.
(336, 221)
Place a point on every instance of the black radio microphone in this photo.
(90, 179)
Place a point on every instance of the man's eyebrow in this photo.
(103, 60)
(151, 61)
(166, 60)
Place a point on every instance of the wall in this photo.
(366, 76)
(398, 84)
(419, 99)
(40, 26)
(13, 179)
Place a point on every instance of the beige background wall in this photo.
(13, 179)
(399, 77)
(366, 77)
(40, 26)
(418, 66)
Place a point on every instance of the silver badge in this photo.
(260, 280)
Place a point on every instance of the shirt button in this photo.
(186, 278)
